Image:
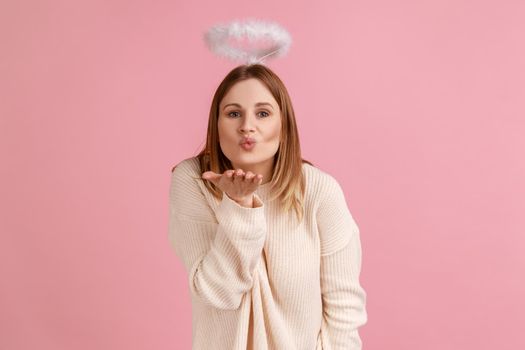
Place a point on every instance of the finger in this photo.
(207, 174)
(248, 177)
(229, 176)
(255, 179)
(211, 176)
(238, 176)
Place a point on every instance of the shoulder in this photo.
(185, 174)
(187, 196)
(188, 166)
(319, 182)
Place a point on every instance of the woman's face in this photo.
(249, 110)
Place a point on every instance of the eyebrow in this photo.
(256, 105)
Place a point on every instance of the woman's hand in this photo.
(237, 184)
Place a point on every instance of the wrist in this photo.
(245, 201)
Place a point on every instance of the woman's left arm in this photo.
(344, 299)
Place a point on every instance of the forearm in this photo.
(225, 273)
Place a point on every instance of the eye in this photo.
(229, 114)
(264, 115)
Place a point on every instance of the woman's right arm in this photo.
(218, 250)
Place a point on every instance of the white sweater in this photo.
(258, 282)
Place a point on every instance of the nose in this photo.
(247, 125)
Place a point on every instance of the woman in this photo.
(261, 275)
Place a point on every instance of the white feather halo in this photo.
(217, 38)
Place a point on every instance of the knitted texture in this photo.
(259, 281)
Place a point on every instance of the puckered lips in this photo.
(247, 142)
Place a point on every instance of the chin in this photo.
(248, 159)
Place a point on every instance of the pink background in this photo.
(416, 107)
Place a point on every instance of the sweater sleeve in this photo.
(218, 250)
(344, 299)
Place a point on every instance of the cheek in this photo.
(227, 140)
(275, 132)
(223, 130)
